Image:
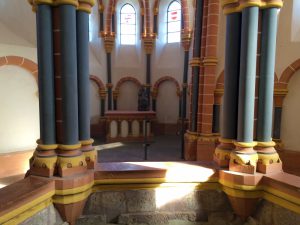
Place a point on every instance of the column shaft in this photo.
(184, 86)
(102, 109)
(196, 69)
(109, 89)
(148, 73)
(46, 74)
(266, 80)
(247, 74)
(231, 76)
(277, 122)
(69, 74)
(83, 74)
(216, 118)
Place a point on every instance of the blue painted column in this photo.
(244, 159)
(82, 29)
(231, 87)
(268, 159)
(44, 159)
(70, 158)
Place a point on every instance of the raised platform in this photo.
(170, 178)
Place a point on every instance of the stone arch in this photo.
(164, 79)
(98, 82)
(288, 73)
(22, 62)
(127, 79)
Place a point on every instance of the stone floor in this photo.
(163, 148)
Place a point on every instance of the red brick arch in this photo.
(164, 79)
(98, 82)
(288, 73)
(22, 62)
(127, 79)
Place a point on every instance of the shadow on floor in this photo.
(163, 148)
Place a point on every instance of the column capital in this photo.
(102, 94)
(154, 93)
(116, 94)
(109, 41)
(279, 95)
(101, 8)
(233, 6)
(196, 62)
(186, 37)
(86, 5)
(149, 41)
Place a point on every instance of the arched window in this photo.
(174, 22)
(128, 25)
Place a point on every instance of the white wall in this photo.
(128, 97)
(19, 120)
(290, 115)
(167, 103)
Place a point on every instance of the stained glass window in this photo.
(174, 22)
(128, 25)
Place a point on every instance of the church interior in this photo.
(149, 112)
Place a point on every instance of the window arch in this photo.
(127, 25)
(174, 22)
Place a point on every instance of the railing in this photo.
(129, 126)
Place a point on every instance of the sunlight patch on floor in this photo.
(109, 146)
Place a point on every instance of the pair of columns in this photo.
(237, 148)
(65, 146)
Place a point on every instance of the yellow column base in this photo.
(244, 158)
(223, 151)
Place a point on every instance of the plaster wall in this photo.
(19, 121)
(290, 115)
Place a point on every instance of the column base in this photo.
(268, 158)
(70, 160)
(190, 146)
(43, 161)
(205, 147)
(244, 158)
(89, 153)
(223, 151)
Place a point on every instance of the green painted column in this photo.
(266, 79)
(82, 18)
(196, 69)
(247, 74)
(268, 159)
(46, 74)
(228, 132)
(69, 74)
(244, 158)
(109, 87)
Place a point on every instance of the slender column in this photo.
(82, 19)
(196, 64)
(231, 83)
(44, 159)
(102, 102)
(279, 95)
(184, 83)
(268, 159)
(70, 158)
(244, 158)
(109, 84)
(148, 73)
(101, 18)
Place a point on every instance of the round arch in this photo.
(164, 79)
(98, 82)
(127, 79)
(22, 62)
